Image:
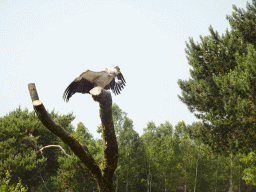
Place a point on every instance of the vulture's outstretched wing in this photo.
(79, 85)
(107, 79)
(116, 87)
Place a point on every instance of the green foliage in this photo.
(163, 158)
(73, 175)
(250, 171)
(16, 147)
(239, 101)
(21, 135)
(221, 91)
(129, 169)
(5, 187)
(222, 94)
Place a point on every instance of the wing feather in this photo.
(121, 77)
(79, 85)
(115, 87)
(86, 81)
(118, 88)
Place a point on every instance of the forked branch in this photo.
(103, 175)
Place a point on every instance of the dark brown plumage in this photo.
(107, 79)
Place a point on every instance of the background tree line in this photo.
(164, 158)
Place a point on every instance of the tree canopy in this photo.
(221, 91)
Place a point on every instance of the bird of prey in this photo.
(107, 79)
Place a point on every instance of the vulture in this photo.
(107, 79)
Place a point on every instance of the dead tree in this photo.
(103, 172)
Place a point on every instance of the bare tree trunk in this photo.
(102, 173)
(116, 180)
(185, 187)
(197, 168)
(217, 175)
(239, 178)
(150, 182)
(231, 176)
(165, 183)
(148, 179)
(127, 182)
(148, 175)
(127, 170)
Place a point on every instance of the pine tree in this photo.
(22, 135)
(17, 148)
(221, 90)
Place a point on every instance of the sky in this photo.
(51, 42)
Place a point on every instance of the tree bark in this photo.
(102, 173)
(217, 174)
(197, 167)
(231, 175)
